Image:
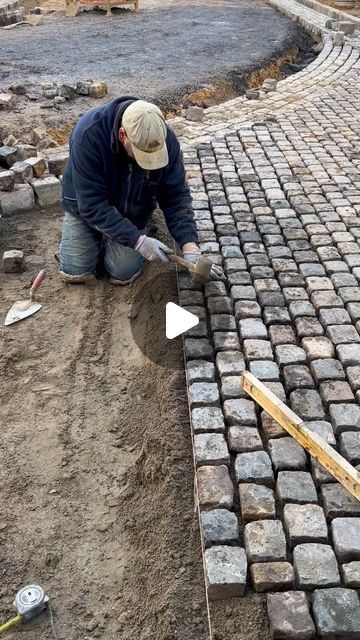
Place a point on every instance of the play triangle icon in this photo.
(178, 320)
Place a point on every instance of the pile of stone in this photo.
(11, 12)
(56, 92)
(28, 177)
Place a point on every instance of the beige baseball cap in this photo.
(145, 128)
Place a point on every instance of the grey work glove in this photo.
(192, 256)
(152, 249)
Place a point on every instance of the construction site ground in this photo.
(97, 472)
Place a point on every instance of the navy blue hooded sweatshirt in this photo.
(109, 190)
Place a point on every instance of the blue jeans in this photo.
(82, 248)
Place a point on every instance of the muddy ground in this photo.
(97, 474)
(161, 54)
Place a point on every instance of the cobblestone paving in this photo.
(277, 204)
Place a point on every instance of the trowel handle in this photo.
(37, 282)
(174, 258)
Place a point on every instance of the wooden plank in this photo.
(333, 462)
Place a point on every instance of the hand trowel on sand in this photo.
(25, 308)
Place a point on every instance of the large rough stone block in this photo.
(257, 502)
(226, 571)
(230, 363)
(200, 371)
(215, 488)
(25, 151)
(219, 526)
(346, 538)
(350, 446)
(351, 574)
(47, 190)
(337, 614)
(210, 449)
(38, 166)
(257, 350)
(289, 616)
(315, 566)
(13, 261)
(307, 404)
(265, 541)
(198, 348)
(345, 417)
(244, 439)
(255, 467)
(22, 172)
(21, 199)
(8, 155)
(305, 523)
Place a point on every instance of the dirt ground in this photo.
(162, 54)
(96, 475)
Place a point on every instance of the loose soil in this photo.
(97, 474)
(354, 11)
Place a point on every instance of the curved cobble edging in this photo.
(276, 190)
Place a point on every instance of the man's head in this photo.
(143, 135)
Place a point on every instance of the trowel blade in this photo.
(21, 310)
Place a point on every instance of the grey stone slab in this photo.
(281, 335)
(345, 417)
(211, 449)
(337, 614)
(344, 334)
(307, 326)
(353, 376)
(297, 377)
(289, 616)
(315, 565)
(296, 486)
(226, 572)
(257, 350)
(219, 526)
(252, 328)
(215, 488)
(319, 347)
(264, 370)
(255, 467)
(231, 388)
(240, 411)
(257, 502)
(307, 404)
(287, 454)
(335, 391)
(243, 439)
(338, 502)
(222, 322)
(346, 538)
(348, 354)
(226, 341)
(305, 523)
(271, 576)
(265, 541)
(289, 354)
(198, 348)
(247, 309)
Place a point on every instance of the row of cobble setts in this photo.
(279, 211)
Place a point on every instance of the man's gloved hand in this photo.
(152, 249)
(191, 252)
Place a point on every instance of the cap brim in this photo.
(151, 161)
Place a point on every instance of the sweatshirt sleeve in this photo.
(92, 197)
(174, 197)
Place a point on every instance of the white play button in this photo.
(178, 320)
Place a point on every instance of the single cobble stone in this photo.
(198, 348)
(20, 199)
(289, 616)
(289, 355)
(338, 502)
(316, 348)
(265, 541)
(215, 488)
(254, 467)
(344, 417)
(281, 334)
(229, 363)
(226, 572)
(225, 341)
(231, 388)
(323, 429)
(7, 180)
(327, 369)
(346, 538)
(307, 404)
(287, 454)
(204, 394)
(244, 439)
(351, 574)
(305, 523)
(342, 334)
(271, 576)
(240, 412)
(252, 328)
(200, 371)
(315, 566)
(335, 391)
(13, 261)
(257, 502)
(22, 172)
(264, 370)
(211, 449)
(219, 526)
(208, 419)
(337, 613)
(350, 446)
(296, 486)
(257, 350)
(297, 377)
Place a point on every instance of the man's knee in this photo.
(79, 250)
(123, 264)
